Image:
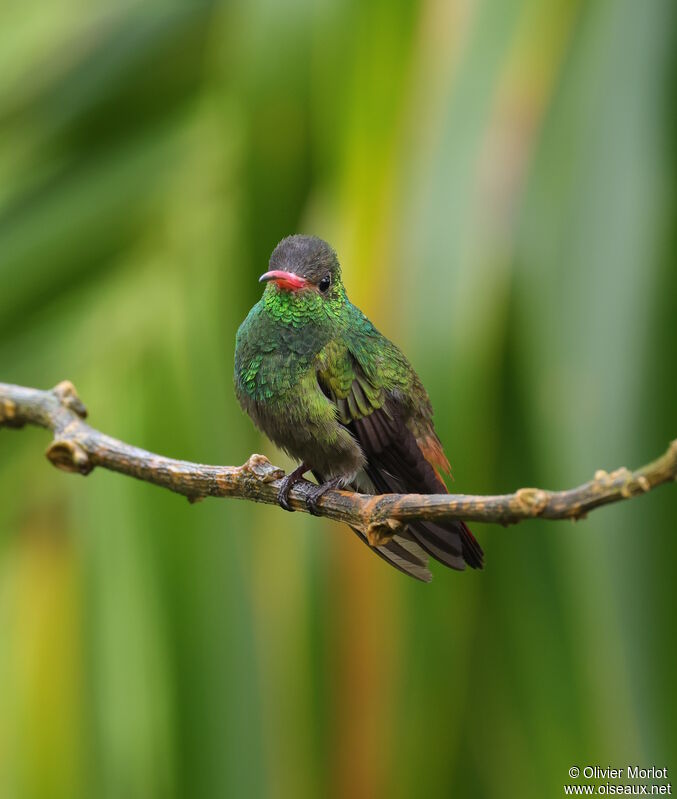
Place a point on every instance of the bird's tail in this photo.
(451, 543)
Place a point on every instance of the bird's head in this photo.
(306, 268)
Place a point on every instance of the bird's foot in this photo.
(318, 491)
(288, 482)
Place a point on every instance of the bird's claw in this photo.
(311, 503)
(283, 495)
(317, 492)
(288, 482)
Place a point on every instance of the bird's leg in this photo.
(317, 491)
(288, 482)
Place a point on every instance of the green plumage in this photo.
(326, 386)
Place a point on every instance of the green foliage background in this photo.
(499, 181)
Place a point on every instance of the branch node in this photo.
(263, 469)
(631, 485)
(380, 532)
(621, 473)
(531, 500)
(7, 410)
(8, 414)
(644, 484)
(69, 456)
(68, 397)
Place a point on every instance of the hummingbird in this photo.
(336, 395)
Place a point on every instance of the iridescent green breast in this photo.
(278, 342)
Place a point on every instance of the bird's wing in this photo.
(403, 453)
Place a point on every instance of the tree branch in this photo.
(77, 447)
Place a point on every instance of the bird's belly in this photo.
(303, 423)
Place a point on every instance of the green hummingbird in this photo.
(324, 385)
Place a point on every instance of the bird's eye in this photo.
(324, 284)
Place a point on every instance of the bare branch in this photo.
(77, 447)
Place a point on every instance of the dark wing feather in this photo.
(399, 461)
